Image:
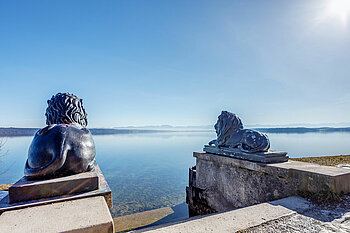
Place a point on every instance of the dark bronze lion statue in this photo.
(64, 146)
(230, 134)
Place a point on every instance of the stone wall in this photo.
(219, 183)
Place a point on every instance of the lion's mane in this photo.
(227, 124)
(65, 108)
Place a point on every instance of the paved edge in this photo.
(81, 215)
(239, 219)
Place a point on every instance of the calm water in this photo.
(148, 171)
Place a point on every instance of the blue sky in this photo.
(176, 62)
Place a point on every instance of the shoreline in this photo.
(18, 132)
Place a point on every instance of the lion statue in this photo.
(64, 146)
(230, 134)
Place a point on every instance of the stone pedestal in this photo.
(26, 190)
(82, 215)
(270, 156)
(102, 190)
(219, 183)
(82, 205)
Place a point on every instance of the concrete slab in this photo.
(294, 203)
(83, 215)
(330, 218)
(236, 220)
(103, 190)
(27, 190)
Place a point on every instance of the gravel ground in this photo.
(319, 218)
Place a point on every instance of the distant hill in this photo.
(14, 132)
(298, 126)
(303, 130)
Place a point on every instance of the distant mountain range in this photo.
(13, 132)
(303, 130)
(210, 127)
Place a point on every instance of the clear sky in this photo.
(177, 62)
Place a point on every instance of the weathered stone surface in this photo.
(330, 218)
(103, 190)
(236, 220)
(223, 183)
(261, 157)
(83, 215)
(27, 190)
(195, 197)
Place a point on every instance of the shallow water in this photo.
(150, 170)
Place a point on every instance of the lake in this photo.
(150, 170)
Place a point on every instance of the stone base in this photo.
(220, 183)
(239, 220)
(26, 190)
(261, 157)
(103, 190)
(83, 215)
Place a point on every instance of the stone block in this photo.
(238, 220)
(223, 183)
(83, 215)
(261, 157)
(103, 190)
(27, 190)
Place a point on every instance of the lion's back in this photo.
(62, 142)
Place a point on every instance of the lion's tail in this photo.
(263, 147)
(57, 161)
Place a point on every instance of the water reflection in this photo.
(150, 170)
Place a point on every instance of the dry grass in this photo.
(326, 160)
(5, 187)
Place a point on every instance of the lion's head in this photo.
(227, 124)
(65, 108)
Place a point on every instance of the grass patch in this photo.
(326, 160)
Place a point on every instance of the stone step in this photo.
(82, 215)
(236, 220)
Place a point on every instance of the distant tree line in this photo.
(13, 132)
(304, 130)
